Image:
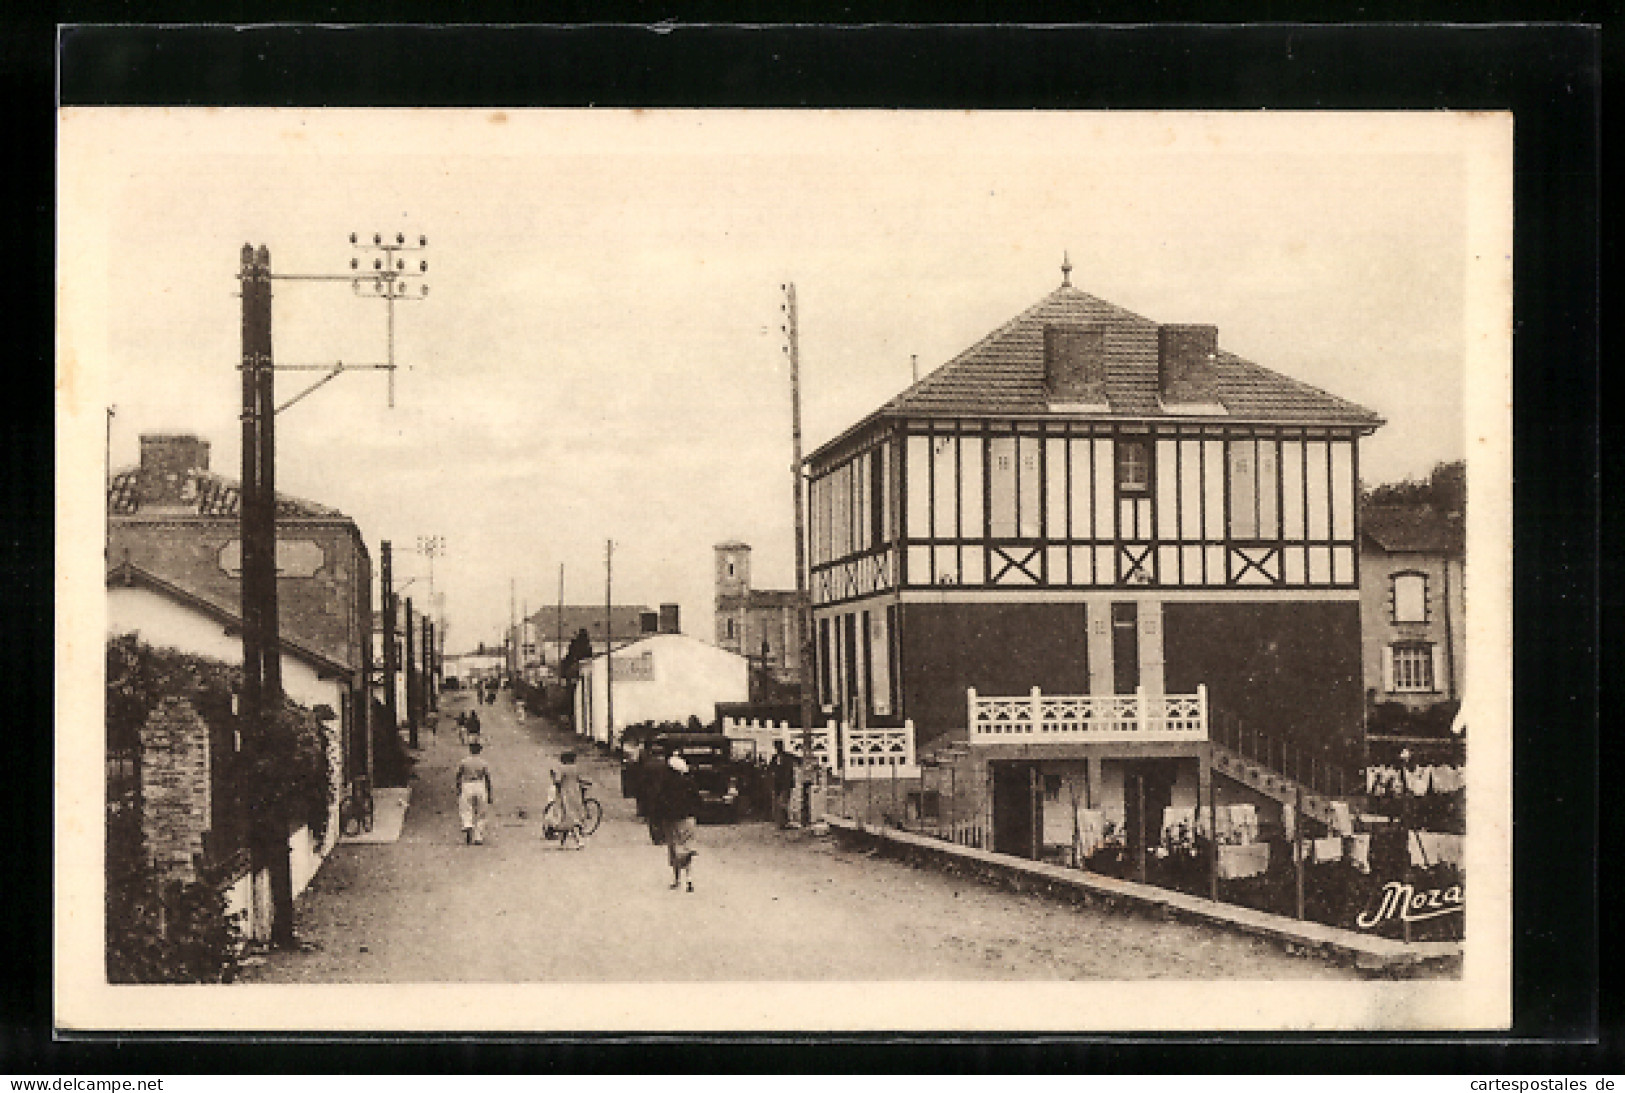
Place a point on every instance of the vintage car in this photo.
(709, 756)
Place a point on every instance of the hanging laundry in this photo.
(1091, 830)
(1357, 848)
(1383, 781)
(1237, 862)
(1172, 818)
(1430, 848)
(1328, 849)
(1342, 821)
(1289, 822)
(1416, 781)
(1244, 823)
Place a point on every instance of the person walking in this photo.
(677, 803)
(474, 795)
(782, 768)
(569, 790)
(471, 728)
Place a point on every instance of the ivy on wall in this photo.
(178, 932)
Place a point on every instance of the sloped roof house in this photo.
(1098, 506)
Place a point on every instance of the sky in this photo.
(600, 355)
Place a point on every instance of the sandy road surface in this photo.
(769, 905)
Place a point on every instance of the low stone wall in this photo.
(1368, 953)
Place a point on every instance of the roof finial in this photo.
(1066, 270)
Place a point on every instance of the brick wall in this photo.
(174, 788)
(319, 607)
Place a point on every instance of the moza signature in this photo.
(1404, 902)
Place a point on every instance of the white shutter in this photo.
(1388, 669)
(1438, 669)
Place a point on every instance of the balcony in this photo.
(1038, 718)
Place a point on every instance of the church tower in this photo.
(733, 594)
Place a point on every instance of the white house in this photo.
(664, 677)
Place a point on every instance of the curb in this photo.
(1373, 954)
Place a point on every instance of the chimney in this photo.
(1185, 356)
(1075, 364)
(648, 622)
(168, 463)
(668, 619)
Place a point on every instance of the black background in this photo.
(1551, 77)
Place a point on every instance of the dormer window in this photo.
(1133, 466)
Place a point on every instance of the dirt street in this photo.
(769, 905)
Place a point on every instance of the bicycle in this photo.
(553, 816)
(356, 810)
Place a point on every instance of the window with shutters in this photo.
(1412, 668)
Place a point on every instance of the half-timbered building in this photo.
(1098, 558)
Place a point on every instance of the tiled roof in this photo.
(214, 496)
(1417, 528)
(627, 620)
(1004, 373)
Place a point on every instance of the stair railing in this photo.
(1282, 756)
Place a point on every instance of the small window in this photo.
(730, 569)
(731, 632)
(1412, 668)
(1410, 597)
(1133, 466)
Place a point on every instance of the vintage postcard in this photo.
(685, 570)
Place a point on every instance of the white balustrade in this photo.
(1038, 718)
(879, 752)
(762, 734)
(863, 752)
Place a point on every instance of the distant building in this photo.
(756, 623)
(1412, 561)
(469, 668)
(663, 677)
(546, 633)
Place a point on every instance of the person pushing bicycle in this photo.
(569, 790)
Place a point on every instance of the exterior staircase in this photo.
(951, 748)
(1255, 775)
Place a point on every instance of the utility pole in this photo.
(609, 643)
(262, 646)
(803, 602)
(392, 712)
(428, 665)
(558, 649)
(513, 630)
(431, 546)
(412, 682)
